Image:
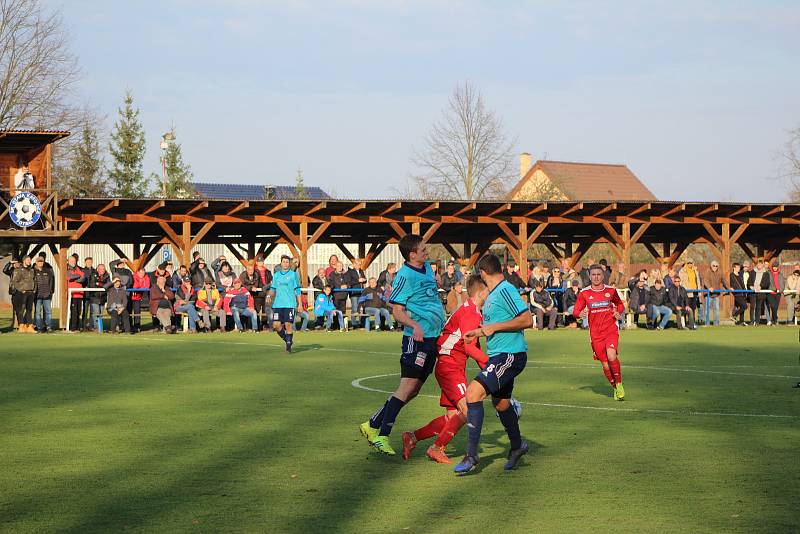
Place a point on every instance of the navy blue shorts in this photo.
(497, 378)
(283, 315)
(418, 358)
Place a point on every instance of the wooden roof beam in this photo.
(613, 235)
(504, 207)
(640, 209)
(738, 233)
(677, 209)
(537, 209)
(170, 233)
(278, 207)
(713, 234)
(709, 209)
(742, 210)
(358, 207)
(113, 204)
(606, 209)
(777, 209)
(318, 207)
(469, 207)
(512, 238)
(432, 206)
(572, 209)
(239, 207)
(156, 206)
(80, 231)
(198, 207)
(393, 207)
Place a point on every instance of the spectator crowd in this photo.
(202, 296)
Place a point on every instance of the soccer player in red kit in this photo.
(604, 308)
(450, 372)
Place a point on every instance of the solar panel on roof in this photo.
(255, 192)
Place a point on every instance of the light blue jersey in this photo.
(504, 304)
(416, 289)
(287, 288)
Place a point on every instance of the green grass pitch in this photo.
(226, 433)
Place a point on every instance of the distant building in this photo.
(563, 180)
(257, 192)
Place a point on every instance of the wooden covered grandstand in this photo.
(466, 229)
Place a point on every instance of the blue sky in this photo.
(695, 97)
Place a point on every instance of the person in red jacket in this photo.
(75, 280)
(604, 308)
(140, 281)
(237, 302)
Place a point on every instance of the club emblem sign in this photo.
(25, 209)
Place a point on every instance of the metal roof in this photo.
(214, 191)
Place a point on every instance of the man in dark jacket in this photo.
(23, 293)
(251, 280)
(543, 307)
(739, 299)
(679, 302)
(570, 298)
(657, 304)
(118, 268)
(356, 278)
(117, 304)
(511, 275)
(88, 272)
(199, 272)
(185, 302)
(374, 304)
(449, 279)
(749, 280)
(44, 287)
(637, 302)
(98, 279)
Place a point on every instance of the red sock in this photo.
(609, 375)
(450, 430)
(431, 429)
(616, 370)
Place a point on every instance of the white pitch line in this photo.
(546, 364)
(357, 383)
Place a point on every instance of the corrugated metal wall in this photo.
(317, 257)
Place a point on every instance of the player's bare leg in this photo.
(433, 428)
(616, 371)
(455, 420)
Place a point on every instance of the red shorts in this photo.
(600, 346)
(453, 382)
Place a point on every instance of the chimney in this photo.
(269, 192)
(524, 164)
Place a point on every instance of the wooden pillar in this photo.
(303, 249)
(627, 244)
(415, 228)
(522, 259)
(63, 251)
(186, 243)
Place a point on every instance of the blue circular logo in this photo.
(25, 209)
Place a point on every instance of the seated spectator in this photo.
(117, 305)
(455, 298)
(570, 298)
(99, 279)
(209, 301)
(178, 277)
(374, 304)
(252, 281)
(140, 282)
(637, 300)
(237, 302)
(161, 298)
(658, 304)
(324, 307)
(225, 278)
(185, 299)
(555, 286)
(543, 306)
(679, 302)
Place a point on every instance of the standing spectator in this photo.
(338, 280)
(161, 271)
(23, 293)
(374, 304)
(449, 279)
(511, 275)
(324, 308)
(88, 273)
(185, 299)
(239, 302)
(749, 280)
(691, 280)
(319, 282)
(456, 298)
(436, 274)
(555, 286)
(637, 300)
(118, 268)
(584, 273)
(209, 301)
(199, 272)
(714, 281)
(117, 304)
(356, 278)
(679, 302)
(664, 273)
(536, 276)
(792, 284)
(98, 279)
(760, 286)
(178, 277)
(739, 299)
(543, 306)
(388, 280)
(570, 298)
(44, 282)
(606, 270)
(658, 304)
(140, 282)
(251, 280)
(618, 278)
(161, 298)
(75, 280)
(333, 261)
(777, 285)
(263, 301)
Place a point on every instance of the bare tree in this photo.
(466, 154)
(791, 160)
(37, 70)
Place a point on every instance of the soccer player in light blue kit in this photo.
(286, 284)
(416, 305)
(505, 317)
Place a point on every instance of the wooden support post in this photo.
(62, 272)
(522, 257)
(251, 250)
(627, 244)
(186, 243)
(453, 252)
(303, 249)
(346, 252)
(725, 265)
(415, 228)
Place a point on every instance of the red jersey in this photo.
(601, 304)
(453, 352)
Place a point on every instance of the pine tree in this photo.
(178, 173)
(84, 173)
(127, 151)
(300, 187)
